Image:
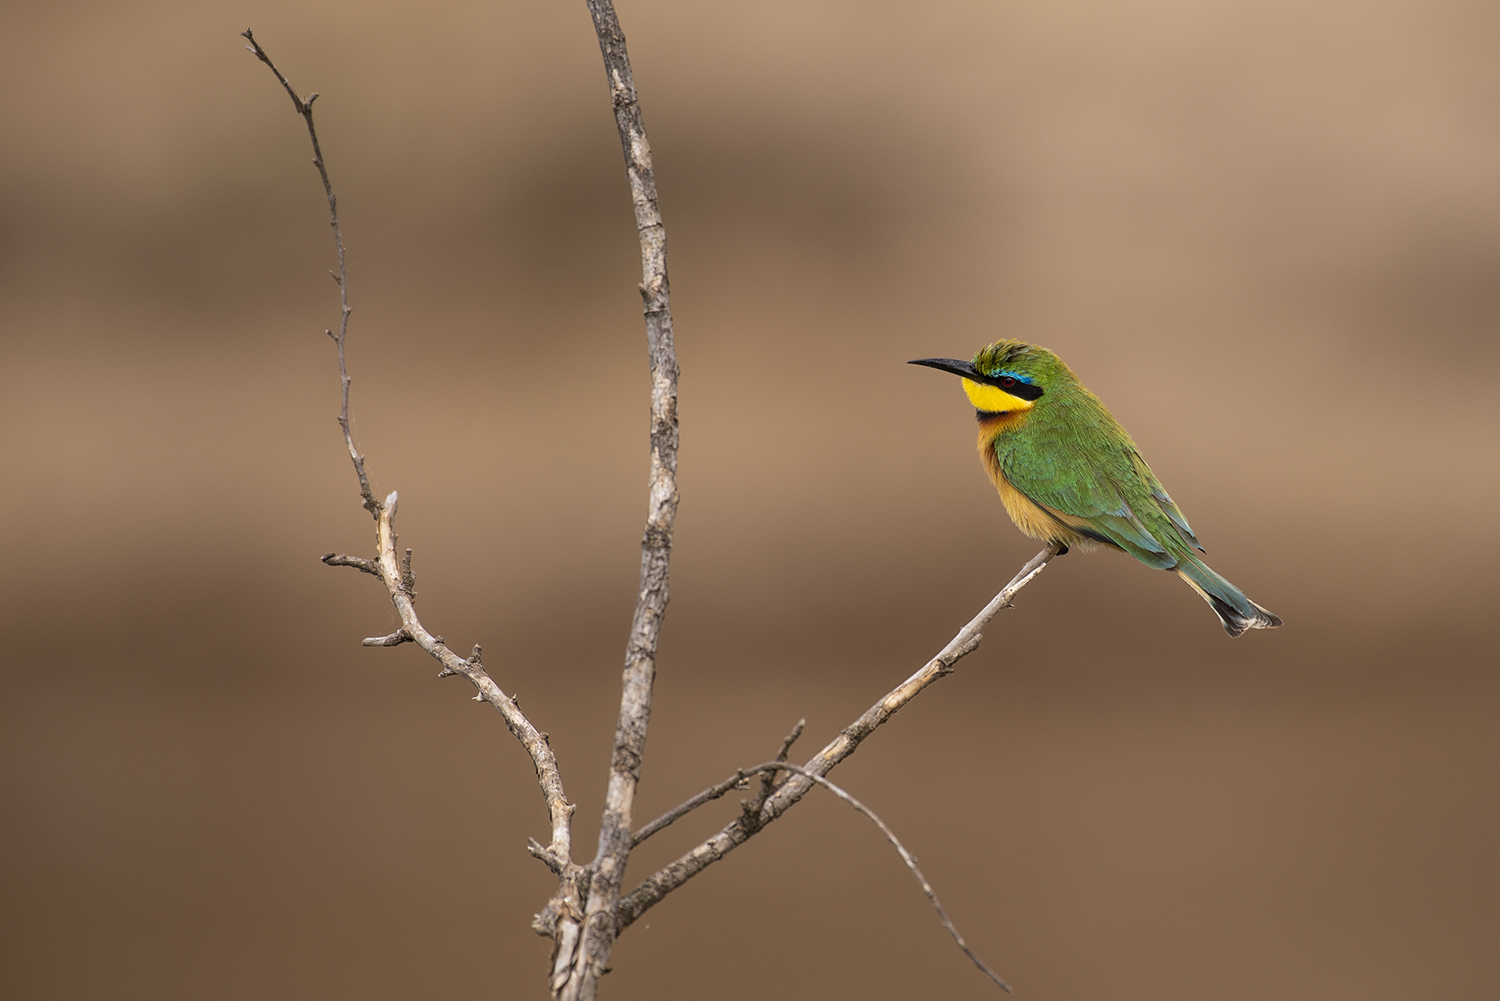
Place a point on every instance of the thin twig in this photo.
(906, 857)
(579, 981)
(535, 742)
(664, 881)
(305, 109)
(771, 768)
(735, 781)
(400, 584)
(768, 779)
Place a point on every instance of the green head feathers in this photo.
(1009, 376)
(1022, 361)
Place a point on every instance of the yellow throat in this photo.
(993, 398)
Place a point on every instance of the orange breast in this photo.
(1031, 518)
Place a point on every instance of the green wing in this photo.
(1164, 502)
(1095, 474)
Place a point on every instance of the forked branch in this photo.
(736, 833)
(587, 913)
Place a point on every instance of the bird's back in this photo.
(1072, 458)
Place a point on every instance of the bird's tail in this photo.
(1237, 612)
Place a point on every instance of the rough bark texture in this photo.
(591, 956)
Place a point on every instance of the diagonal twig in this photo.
(735, 781)
(770, 768)
(906, 857)
(656, 886)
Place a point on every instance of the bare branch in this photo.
(557, 854)
(735, 781)
(304, 108)
(577, 980)
(586, 915)
(770, 768)
(401, 585)
(667, 879)
(535, 742)
(906, 857)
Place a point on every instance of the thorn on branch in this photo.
(540, 851)
(394, 639)
(357, 562)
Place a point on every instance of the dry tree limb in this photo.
(664, 881)
(591, 959)
(305, 109)
(906, 857)
(735, 781)
(397, 576)
(587, 913)
(768, 772)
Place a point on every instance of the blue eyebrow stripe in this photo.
(1031, 391)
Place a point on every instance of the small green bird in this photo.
(1068, 473)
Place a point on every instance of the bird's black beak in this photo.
(963, 368)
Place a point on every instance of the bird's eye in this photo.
(1007, 382)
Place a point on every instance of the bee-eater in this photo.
(1068, 473)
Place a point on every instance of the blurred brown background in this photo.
(1268, 235)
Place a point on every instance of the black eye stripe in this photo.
(1015, 387)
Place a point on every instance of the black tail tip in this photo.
(1236, 622)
